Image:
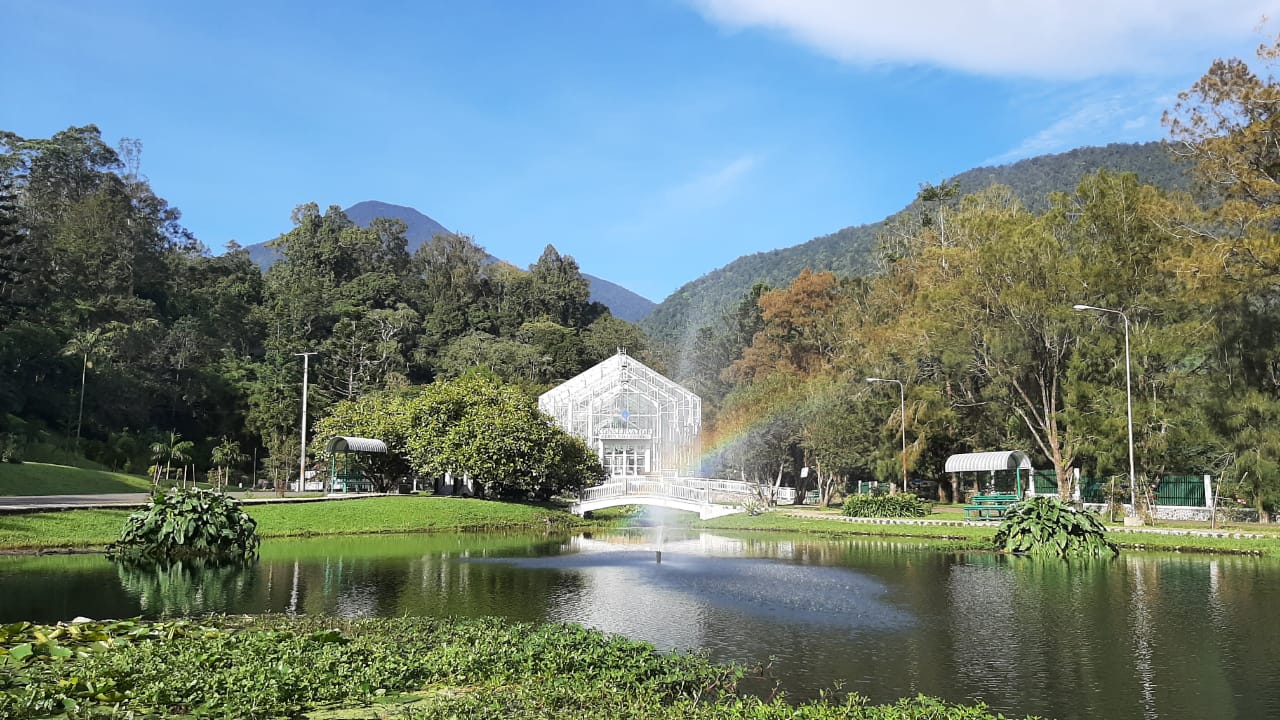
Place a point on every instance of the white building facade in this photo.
(638, 422)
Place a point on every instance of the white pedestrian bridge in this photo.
(710, 498)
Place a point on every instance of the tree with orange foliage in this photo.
(801, 331)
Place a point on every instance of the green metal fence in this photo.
(1091, 489)
(1046, 482)
(1172, 490)
(1180, 490)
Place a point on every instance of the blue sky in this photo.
(653, 140)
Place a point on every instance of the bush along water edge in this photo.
(188, 524)
(1046, 526)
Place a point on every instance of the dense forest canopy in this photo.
(853, 250)
(120, 334)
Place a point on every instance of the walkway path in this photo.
(45, 503)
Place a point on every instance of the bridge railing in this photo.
(598, 492)
(684, 492)
(685, 488)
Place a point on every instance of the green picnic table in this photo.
(989, 507)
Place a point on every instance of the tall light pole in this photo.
(902, 409)
(302, 456)
(1128, 396)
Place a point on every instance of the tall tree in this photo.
(1228, 258)
(559, 292)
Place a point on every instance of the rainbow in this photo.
(724, 439)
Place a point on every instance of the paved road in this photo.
(34, 503)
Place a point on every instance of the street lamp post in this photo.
(302, 456)
(902, 409)
(1128, 396)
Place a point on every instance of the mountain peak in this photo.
(420, 227)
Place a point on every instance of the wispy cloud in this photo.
(1128, 117)
(713, 185)
(1008, 38)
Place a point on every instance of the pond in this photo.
(1144, 636)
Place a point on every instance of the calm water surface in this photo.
(1145, 636)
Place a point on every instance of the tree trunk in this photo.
(777, 482)
(84, 373)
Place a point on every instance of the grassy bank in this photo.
(979, 537)
(391, 668)
(78, 529)
(32, 478)
(396, 514)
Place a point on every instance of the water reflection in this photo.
(185, 587)
(1162, 636)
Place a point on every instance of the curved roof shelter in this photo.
(989, 461)
(342, 444)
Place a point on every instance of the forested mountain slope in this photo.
(420, 228)
(851, 251)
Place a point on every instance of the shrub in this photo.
(902, 505)
(1047, 526)
(11, 448)
(194, 523)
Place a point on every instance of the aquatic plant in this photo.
(1047, 526)
(273, 666)
(194, 523)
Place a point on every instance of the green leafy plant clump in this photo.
(901, 505)
(273, 666)
(1047, 526)
(194, 523)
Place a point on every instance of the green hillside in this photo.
(41, 479)
(851, 251)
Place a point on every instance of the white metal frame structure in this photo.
(637, 421)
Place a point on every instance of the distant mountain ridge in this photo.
(420, 228)
(851, 251)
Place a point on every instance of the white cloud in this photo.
(1019, 38)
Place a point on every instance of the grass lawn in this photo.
(779, 520)
(70, 529)
(980, 536)
(406, 514)
(395, 514)
(402, 514)
(30, 478)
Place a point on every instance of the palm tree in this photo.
(171, 450)
(99, 342)
(225, 455)
(86, 344)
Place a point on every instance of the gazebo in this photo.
(991, 463)
(348, 478)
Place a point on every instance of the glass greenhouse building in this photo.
(637, 421)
